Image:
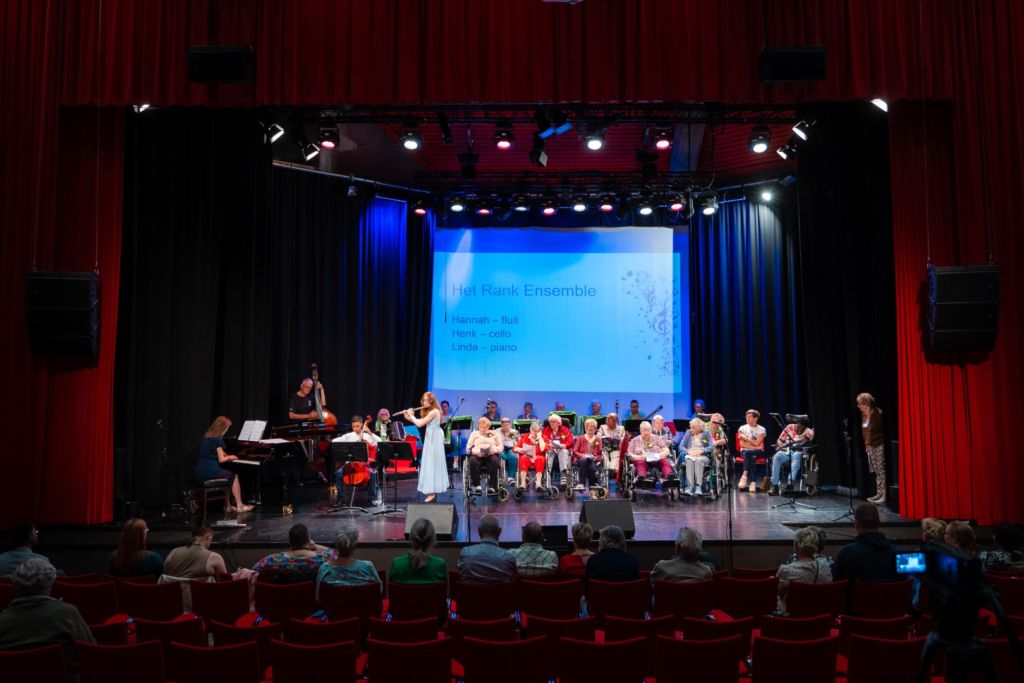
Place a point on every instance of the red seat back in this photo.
(236, 663)
(754, 573)
(343, 602)
(810, 599)
(294, 663)
(881, 599)
(124, 663)
(229, 634)
(582, 661)
(156, 601)
(280, 602)
(110, 634)
(550, 599)
(96, 602)
(797, 628)
(418, 601)
(390, 662)
(6, 594)
(774, 660)
(877, 660)
(685, 598)
(489, 661)
(411, 631)
(620, 628)
(36, 664)
(189, 631)
(1011, 592)
(618, 598)
(897, 628)
(300, 632)
(500, 630)
(484, 600)
(702, 629)
(748, 597)
(222, 601)
(706, 660)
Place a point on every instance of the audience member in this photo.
(822, 538)
(131, 557)
(196, 560)
(345, 569)
(576, 561)
(810, 566)
(531, 557)
(687, 564)
(932, 530)
(611, 562)
(419, 566)
(1007, 556)
(869, 556)
(301, 562)
(961, 535)
(34, 619)
(486, 562)
(24, 538)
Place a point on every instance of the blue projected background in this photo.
(561, 315)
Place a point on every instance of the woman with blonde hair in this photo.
(961, 535)
(212, 455)
(433, 469)
(131, 557)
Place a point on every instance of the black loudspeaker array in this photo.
(64, 314)
(442, 515)
(601, 513)
(963, 308)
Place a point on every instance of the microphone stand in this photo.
(455, 451)
(848, 450)
(726, 453)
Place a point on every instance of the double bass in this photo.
(323, 416)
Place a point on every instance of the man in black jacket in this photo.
(870, 556)
(611, 562)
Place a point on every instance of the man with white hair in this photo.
(687, 565)
(34, 619)
(559, 440)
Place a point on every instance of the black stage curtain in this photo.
(236, 276)
(846, 254)
(745, 341)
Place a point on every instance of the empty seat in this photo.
(35, 664)
(777, 660)
(810, 599)
(96, 602)
(752, 573)
(550, 599)
(878, 660)
(748, 597)
(293, 663)
(417, 601)
(509, 661)
(796, 628)
(483, 601)
(621, 628)
(411, 631)
(880, 599)
(223, 601)
(301, 632)
(342, 602)
(685, 598)
(125, 663)
(110, 634)
(236, 663)
(620, 599)
(155, 601)
(581, 661)
(698, 660)
(280, 602)
(390, 662)
(228, 634)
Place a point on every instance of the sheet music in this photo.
(252, 430)
(529, 450)
(653, 458)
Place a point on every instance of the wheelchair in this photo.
(716, 476)
(599, 491)
(807, 481)
(501, 490)
(630, 482)
(547, 490)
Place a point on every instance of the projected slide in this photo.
(560, 315)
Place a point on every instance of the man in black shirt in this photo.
(303, 403)
(611, 562)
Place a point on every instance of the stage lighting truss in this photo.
(645, 207)
(607, 204)
(676, 203)
(579, 205)
(549, 208)
(594, 137)
(760, 139)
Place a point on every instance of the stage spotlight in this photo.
(676, 204)
(274, 133)
(881, 104)
(709, 204)
(503, 135)
(420, 209)
(663, 139)
(521, 204)
(538, 157)
(469, 161)
(483, 209)
(309, 150)
(410, 136)
(760, 138)
(594, 140)
(786, 152)
(457, 206)
(580, 205)
(549, 209)
(802, 129)
(446, 129)
(607, 204)
(766, 195)
(645, 207)
(139, 108)
(328, 137)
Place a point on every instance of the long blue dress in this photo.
(433, 468)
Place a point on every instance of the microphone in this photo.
(160, 424)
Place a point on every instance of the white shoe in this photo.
(477, 490)
(697, 491)
(688, 491)
(753, 488)
(579, 487)
(743, 482)
(872, 499)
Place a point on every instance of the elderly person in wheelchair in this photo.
(794, 440)
(696, 447)
(649, 451)
(560, 442)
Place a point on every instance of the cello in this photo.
(358, 473)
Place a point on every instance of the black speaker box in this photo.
(792, 63)
(601, 513)
(963, 308)
(64, 313)
(555, 536)
(443, 516)
(221, 64)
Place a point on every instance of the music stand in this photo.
(599, 419)
(791, 500)
(568, 416)
(387, 452)
(523, 426)
(460, 422)
(632, 426)
(347, 452)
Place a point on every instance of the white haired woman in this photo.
(686, 565)
(649, 448)
(809, 567)
(696, 445)
(346, 570)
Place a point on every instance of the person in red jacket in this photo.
(531, 449)
(560, 442)
(586, 454)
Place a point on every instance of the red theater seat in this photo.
(126, 663)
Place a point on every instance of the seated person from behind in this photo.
(560, 441)
(822, 537)
(486, 562)
(809, 567)
(612, 434)
(1006, 556)
(211, 458)
(345, 569)
(196, 560)
(751, 438)
(586, 454)
(611, 562)
(508, 438)
(576, 561)
(419, 565)
(531, 557)
(648, 452)
(696, 446)
(483, 449)
(869, 556)
(687, 565)
(34, 619)
(131, 558)
(790, 444)
(301, 562)
(355, 472)
(531, 449)
(24, 538)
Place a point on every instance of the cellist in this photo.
(357, 473)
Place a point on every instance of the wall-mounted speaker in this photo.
(963, 308)
(64, 313)
(792, 63)
(221, 64)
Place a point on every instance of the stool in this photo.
(215, 489)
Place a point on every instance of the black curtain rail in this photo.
(350, 178)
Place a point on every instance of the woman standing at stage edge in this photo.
(433, 471)
(874, 443)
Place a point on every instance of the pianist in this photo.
(361, 432)
(211, 458)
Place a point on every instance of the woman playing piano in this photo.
(212, 456)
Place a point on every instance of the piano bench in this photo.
(215, 489)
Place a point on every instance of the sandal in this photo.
(431, 498)
(245, 508)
